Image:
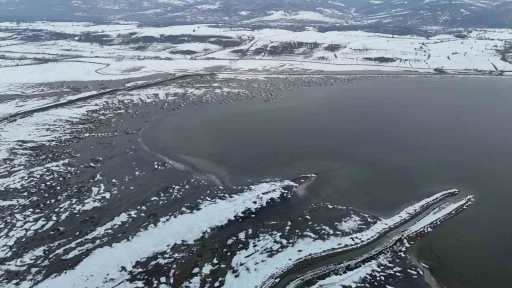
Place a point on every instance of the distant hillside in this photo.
(463, 13)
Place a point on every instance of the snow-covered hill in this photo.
(463, 13)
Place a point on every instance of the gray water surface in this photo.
(378, 146)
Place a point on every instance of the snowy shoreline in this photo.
(307, 252)
(400, 242)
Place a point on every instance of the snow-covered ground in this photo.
(96, 270)
(127, 50)
(281, 16)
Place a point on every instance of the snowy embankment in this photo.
(354, 271)
(257, 269)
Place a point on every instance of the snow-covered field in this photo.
(107, 52)
(281, 16)
(96, 270)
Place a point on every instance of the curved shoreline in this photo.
(412, 233)
(304, 263)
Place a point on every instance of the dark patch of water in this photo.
(377, 145)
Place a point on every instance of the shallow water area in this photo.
(377, 145)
